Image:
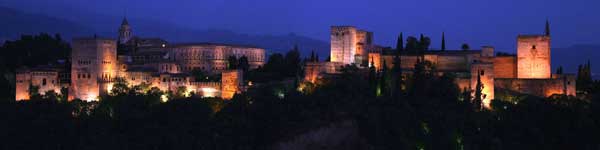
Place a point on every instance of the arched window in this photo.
(44, 81)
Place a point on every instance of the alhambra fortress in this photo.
(96, 63)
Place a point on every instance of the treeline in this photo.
(426, 112)
(421, 44)
(29, 51)
(279, 67)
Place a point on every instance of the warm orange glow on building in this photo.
(375, 60)
(343, 44)
(533, 57)
(486, 74)
(231, 82)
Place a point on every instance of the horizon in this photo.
(476, 30)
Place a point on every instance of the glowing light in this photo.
(91, 97)
(209, 92)
(188, 92)
(280, 94)
(164, 98)
(163, 45)
(249, 83)
(109, 88)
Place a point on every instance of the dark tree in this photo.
(424, 43)
(120, 87)
(559, 70)
(232, 62)
(243, 64)
(293, 62)
(412, 44)
(478, 96)
(35, 50)
(443, 41)
(465, 47)
(400, 43)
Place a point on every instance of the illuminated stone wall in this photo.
(486, 74)
(487, 51)
(212, 58)
(459, 62)
(533, 57)
(343, 44)
(364, 46)
(45, 80)
(539, 87)
(138, 77)
(376, 61)
(312, 71)
(93, 66)
(231, 81)
(207, 89)
(23, 80)
(505, 66)
(169, 67)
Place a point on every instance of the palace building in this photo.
(96, 64)
(528, 72)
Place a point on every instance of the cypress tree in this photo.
(559, 70)
(400, 43)
(477, 100)
(312, 55)
(443, 42)
(421, 40)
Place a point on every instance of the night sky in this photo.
(477, 22)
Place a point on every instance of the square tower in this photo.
(231, 81)
(93, 66)
(533, 57)
(343, 44)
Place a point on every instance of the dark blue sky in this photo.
(477, 22)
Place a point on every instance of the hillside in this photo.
(87, 24)
(17, 23)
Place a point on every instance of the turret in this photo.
(125, 33)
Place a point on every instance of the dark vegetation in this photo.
(429, 113)
(419, 111)
(30, 51)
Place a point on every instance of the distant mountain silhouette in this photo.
(16, 23)
(575, 55)
(78, 24)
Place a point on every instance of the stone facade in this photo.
(94, 65)
(350, 45)
(561, 84)
(533, 57)
(505, 66)
(45, 79)
(206, 57)
(232, 81)
(528, 72)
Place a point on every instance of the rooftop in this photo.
(212, 44)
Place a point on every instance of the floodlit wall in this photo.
(533, 57)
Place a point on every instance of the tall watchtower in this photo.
(343, 44)
(93, 66)
(533, 56)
